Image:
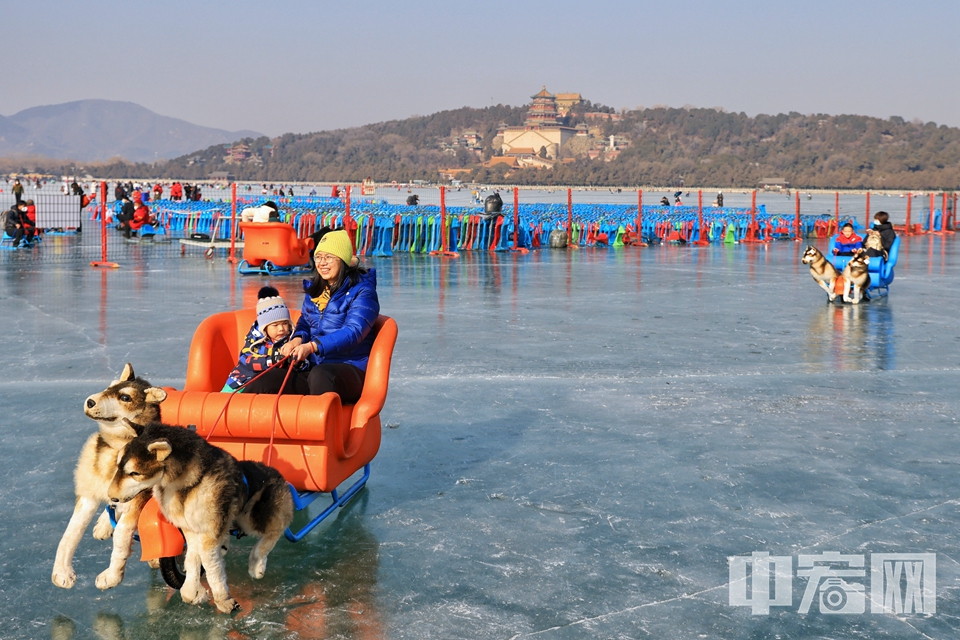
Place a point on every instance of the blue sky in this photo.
(307, 66)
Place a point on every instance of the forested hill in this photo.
(704, 146)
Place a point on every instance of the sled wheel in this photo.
(208, 253)
(172, 570)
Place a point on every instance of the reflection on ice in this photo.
(848, 337)
(328, 593)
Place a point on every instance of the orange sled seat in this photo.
(317, 442)
(272, 246)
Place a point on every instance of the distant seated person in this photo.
(17, 225)
(881, 224)
(126, 211)
(261, 349)
(141, 216)
(664, 202)
(31, 221)
(267, 212)
(847, 242)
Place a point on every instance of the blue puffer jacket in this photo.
(342, 330)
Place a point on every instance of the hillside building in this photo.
(566, 102)
(540, 130)
(774, 184)
(237, 154)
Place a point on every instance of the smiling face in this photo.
(329, 266)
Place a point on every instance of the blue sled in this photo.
(302, 501)
(881, 271)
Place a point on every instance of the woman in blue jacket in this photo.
(333, 334)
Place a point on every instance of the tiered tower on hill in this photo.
(540, 132)
(542, 111)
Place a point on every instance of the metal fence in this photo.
(388, 218)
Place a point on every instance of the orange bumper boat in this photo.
(317, 442)
(273, 248)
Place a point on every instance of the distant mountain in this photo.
(659, 146)
(90, 130)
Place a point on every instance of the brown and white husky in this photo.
(120, 411)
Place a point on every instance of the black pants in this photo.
(345, 380)
(18, 233)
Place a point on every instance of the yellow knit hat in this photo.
(337, 243)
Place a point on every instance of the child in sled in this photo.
(847, 242)
(269, 332)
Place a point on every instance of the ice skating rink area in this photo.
(577, 444)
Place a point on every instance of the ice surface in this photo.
(577, 442)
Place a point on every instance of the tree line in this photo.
(667, 147)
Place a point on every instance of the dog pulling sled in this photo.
(880, 270)
(315, 442)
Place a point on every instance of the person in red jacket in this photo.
(157, 191)
(141, 216)
(847, 242)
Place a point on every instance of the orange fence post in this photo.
(703, 238)
(443, 218)
(797, 223)
(700, 207)
(516, 218)
(232, 258)
(954, 214)
(908, 230)
(932, 205)
(836, 204)
(640, 217)
(752, 235)
(444, 252)
(570, 217)
(943, 215)
(516, 223)
(346, 217)
(102, 262)
(867, 224)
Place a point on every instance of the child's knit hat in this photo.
(270, 307)
(337, 243)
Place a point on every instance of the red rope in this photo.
(237, 390)
(276, 415)
(276, 404)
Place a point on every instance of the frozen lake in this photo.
(578, 443)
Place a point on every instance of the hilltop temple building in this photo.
(540, 130)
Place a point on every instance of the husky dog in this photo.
(822, 271)
(874, 242)
(855, 275)
(204, 490)
(120, 410)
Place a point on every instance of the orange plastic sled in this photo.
(269, 247)
(318, 443)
